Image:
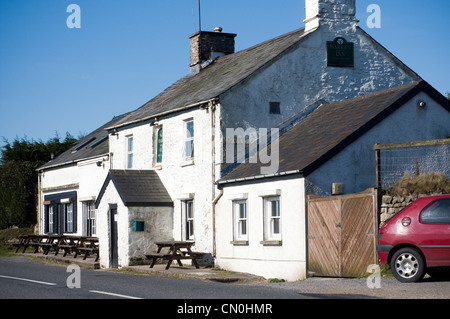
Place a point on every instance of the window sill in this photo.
(187, 163)
(271, 242)
(239, 242)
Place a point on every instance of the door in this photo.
(114, 256)
(434, 232)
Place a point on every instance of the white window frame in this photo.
(68, 212)
(129, 151)
(189, 218)
(239, 221)
(189, 139)
(51, 219)
(90, 218)
(272, 222)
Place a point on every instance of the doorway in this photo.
(114, 256)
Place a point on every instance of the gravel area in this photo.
(389, 288)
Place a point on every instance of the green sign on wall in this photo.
(340, 53)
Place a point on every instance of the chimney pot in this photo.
(206, 46)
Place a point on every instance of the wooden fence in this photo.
(342, 234)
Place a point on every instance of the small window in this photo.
(130, 146)
(68, 211)
(188, 211)
(159, 146)
(189, 140)
(51, 219)
(275, 108)
(240, 220)
(438, 212)
(139, 225)
(272, 218)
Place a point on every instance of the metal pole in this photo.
(199, 16)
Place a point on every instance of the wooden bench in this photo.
(178, 250)
(69, 244)
(87, 246)
(22, 241)
(37, 242)
(51, 242)
(155, 256)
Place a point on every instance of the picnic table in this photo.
(25, 241)
(86, 246)
(47, 242)
(80, 245)
(178, 250)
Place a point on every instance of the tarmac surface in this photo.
(175, 271)
(315, 287)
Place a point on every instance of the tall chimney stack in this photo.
(206, 46)
(321, 12)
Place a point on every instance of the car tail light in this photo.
(406, 221)
(383, 230)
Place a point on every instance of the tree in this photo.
(18, 177)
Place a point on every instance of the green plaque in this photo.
(340, 53)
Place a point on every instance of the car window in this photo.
(438, 212)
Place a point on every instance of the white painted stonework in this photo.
(85, 177)
(285, 260)
(297, 78)
(132, 245)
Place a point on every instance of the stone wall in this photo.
(390, 205)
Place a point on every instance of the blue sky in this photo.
(56, 79)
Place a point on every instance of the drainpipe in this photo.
(212, 108)
(39, 209)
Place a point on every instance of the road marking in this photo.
(113, 294)
(29, 280)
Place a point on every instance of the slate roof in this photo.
(219, 77)
(92, 145)
(141, 188)
(331, 128)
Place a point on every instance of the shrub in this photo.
(433, 183)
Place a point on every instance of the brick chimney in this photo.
(206, 46)
(321, 12)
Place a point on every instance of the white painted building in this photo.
(180, 136)
(263, 218)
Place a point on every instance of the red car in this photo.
(417, 239)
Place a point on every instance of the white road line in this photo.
(29, 280)
(112, 294)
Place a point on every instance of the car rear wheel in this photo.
(407, 265)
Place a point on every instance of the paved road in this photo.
(22, 278)
(25, 278)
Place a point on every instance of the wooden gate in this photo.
(342, 234)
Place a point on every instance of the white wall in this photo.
(111, 197)
(286, 261)
(158, 227)
(85, 177)
(300, 77)
(179, 177)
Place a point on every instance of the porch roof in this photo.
(137, 188)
